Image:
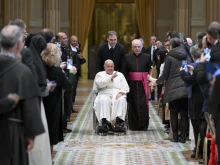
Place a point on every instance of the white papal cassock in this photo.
(105, 105)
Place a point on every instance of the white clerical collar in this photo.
(73, 48)
(110, 46)
(215, 42)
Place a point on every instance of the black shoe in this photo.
(175, 137)
(73, 111)
(120, 127)
(104, 128)
(200, 156)
(66, 130)
(182, 137)
(193, 155)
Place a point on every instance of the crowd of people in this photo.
(39, 74)
(185, 74)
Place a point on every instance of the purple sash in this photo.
(140, 76)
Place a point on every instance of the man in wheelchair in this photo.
(110, 105)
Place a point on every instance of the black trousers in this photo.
(152, 95)
(199, 126)
(67, 106)
(176, 106)
(74, 90)
(159, 90)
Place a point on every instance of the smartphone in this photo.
(207, 54)
(184, 65)
(50, 82)
(58, 45)
(69, 63)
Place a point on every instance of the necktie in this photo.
(111, 52)
(152, 54)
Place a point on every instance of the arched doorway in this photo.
(119, 16)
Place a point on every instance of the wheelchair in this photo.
(96, 126)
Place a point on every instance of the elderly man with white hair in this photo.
(110, 105)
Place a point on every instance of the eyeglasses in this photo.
(74, 41)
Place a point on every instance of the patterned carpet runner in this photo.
(83, 147)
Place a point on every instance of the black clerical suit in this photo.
(138, 113)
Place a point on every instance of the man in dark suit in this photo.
(67, 56)
(143, 50)
(74, 46)
(150, 50)
(113, 51)
(155, 58)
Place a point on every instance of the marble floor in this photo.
(83, 147)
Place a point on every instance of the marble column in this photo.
(51, 14)
(182, 16)
(17, 9)
(212, 11)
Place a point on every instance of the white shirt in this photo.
(161, 69)
(110, 46)
(152, 52)
(104, 85)
(73, 48)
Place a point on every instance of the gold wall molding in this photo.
(183, 16)
(51, 14)
(17, 9)
(212, 11)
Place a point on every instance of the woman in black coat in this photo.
(175, 93)
(53, 102)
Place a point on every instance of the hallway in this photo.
(83, 147)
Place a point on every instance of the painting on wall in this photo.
(120, 17)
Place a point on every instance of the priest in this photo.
(138, 65)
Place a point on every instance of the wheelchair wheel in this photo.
(97, 129)
(95, 124)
